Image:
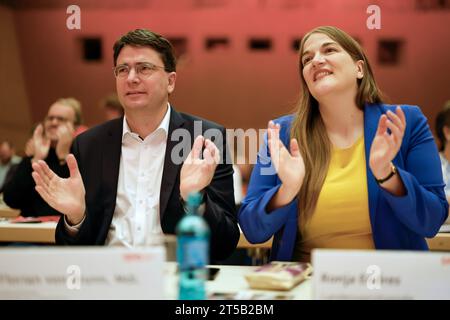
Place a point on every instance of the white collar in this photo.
(164, 125)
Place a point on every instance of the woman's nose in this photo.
(318, 59)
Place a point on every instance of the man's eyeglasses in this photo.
(58, 118)
(143, 69)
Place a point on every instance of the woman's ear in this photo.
(360, 69)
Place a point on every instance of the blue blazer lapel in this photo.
(372, 114)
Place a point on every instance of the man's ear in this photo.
(171, 83)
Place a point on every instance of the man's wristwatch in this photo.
(390, 175)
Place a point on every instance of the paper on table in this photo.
(279, 275)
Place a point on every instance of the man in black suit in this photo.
(129, 178)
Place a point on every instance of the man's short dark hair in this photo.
(147, 38)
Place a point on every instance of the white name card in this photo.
(82, 273)
(355, 274)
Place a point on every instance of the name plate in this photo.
(82, 273)
(354, 274)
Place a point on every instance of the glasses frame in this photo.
(51, 118)
(137, 69)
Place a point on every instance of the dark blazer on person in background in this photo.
(98, 152)
(19, 192)
(9, 175)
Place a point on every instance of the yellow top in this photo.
(341, 218)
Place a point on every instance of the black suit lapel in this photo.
(111, 164)
(171, 169)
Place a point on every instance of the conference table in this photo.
(44, 232)
(230, 283)
(7, 212)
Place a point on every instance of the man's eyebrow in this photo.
(323, 45)
(138, 62)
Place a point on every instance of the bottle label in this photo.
(194, 253)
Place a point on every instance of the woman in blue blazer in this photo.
(341, 104)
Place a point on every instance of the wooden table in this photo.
(7, 212)
(441, 242)
(42, 232)
(245, 244)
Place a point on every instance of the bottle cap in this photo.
(195, 199)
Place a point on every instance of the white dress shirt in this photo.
(136, 219)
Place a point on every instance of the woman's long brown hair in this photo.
(308, 127)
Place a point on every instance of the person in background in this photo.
(51, 143)
(346, 170)
(79, 127)
(111, 107)
(8, 162)
(76, 106)
(442, 128)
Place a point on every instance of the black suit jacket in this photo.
(98, 153)
(19, 191)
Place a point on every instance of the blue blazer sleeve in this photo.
(257, 224)
(424, 208)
